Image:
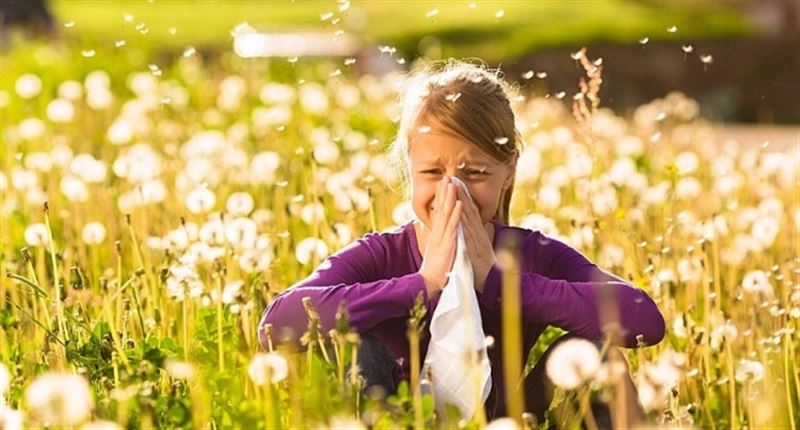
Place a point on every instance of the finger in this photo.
(437, 204)
(449, 200)
(452, 223)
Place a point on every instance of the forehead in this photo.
(434, 144)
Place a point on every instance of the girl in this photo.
(457, 121)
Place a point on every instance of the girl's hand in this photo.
(440, 249)
(478, 237)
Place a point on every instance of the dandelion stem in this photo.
(62, 328)
(512, 333)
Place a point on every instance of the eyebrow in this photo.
(467, 165)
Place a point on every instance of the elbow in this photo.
(650, 327)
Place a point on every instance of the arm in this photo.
(348, 276)
(566, 293)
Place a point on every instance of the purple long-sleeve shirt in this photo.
(377, 277)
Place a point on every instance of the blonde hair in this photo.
(469, 100)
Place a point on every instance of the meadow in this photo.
(151, 210)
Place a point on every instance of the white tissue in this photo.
(455, 330)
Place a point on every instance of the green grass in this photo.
(460, 29)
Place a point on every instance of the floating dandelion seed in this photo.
(431, 13)
(292, 59)
(472, 5)
(661, 116)
(576, 55)
(577, 96)
(127, 17)
(500, 13)
(560, 95)
(644, 40)
(528, 74)
(349, 61)
(655, 137)
(687, 48)
(765, 144)
(452, 97)
(326, 16)
(172, 30)
(69, 24)
(165, 100)
(401, 61)
(335, 21)
(672, 29)
(387, 50)
(282, 184)
(335, 73)
(189, 51)
(88, 53)
(598, 62)
(424, 129)
(707, 59)
(337, 33)
(501, 140)
(154, 70)
(344, 7)
(119, 43)
(541, 75)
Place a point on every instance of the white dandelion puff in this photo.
(60, 398)
(37, 235)
(200, 200)
(749, 371)
(268, 367)
(572, 363)
(310, 247)
(28, 86)
(240, 204)
(93, 233)
(757, 282)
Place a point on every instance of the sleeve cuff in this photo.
(491, 288)
(418, 284)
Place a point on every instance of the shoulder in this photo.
(383, 245)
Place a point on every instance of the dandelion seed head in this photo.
(200, 200)
(268, 367)
(60, 398)
(28, 86)
(572, 363)
(179, 369)
(93, 233)
(37, 235)
(309, 248)
(749, 371)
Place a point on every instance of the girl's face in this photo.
(438, 152)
